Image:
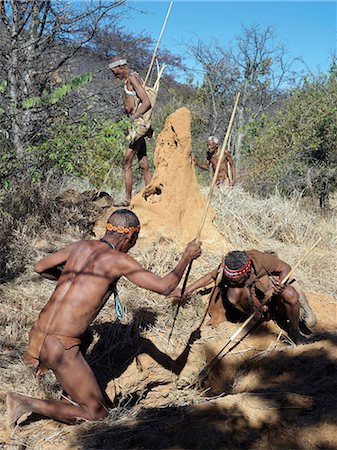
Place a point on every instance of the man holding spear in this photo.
(139, 102)
(244, 279)
(86, 273)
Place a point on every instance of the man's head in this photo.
(119, 66)
(123, 226)
(213, 144)
(236, 268)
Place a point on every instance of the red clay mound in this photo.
(172, 204)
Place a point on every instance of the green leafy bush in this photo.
(295, 149)
(89, 149)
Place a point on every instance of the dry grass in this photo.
(282, 225)
(274, 223)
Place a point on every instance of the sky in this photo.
(307, 28)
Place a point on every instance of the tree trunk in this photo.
(240, 123)
(13, 90)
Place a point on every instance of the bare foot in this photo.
(16, 407)
(298, 338)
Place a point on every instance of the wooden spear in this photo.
(204, 215)
(205, 372)
(214, 293)
(157, 45)
(216, 173)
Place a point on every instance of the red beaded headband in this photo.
(234, 273)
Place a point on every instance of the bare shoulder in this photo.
(127, 262)
(81, 245)
(253, 253)
(214, 160)
(83, 249)
(135, 78)
(70, 248)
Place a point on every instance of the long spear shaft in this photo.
(213, 294)
(203, 219)
(216, 359)
(157, 45)
(216, 173)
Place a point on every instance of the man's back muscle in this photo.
(81, 289)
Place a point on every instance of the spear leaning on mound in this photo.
(203, 219)
(206, 371)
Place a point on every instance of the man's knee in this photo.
(127, 162)
(144, 164)
(290, 296)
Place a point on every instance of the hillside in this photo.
(265, 393)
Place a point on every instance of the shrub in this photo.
(295, 149)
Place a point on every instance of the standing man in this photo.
(89, 276)
(137, 106)
(227, 173)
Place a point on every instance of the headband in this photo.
(233, 273)
(120, 62)
(121, 229)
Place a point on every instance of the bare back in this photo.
(87, 280)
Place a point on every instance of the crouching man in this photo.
(90, 274)
(246, 277)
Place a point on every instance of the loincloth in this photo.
(37, 337)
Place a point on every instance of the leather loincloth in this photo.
(37, 337)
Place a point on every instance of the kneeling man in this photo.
(90, 274)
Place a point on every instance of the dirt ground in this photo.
(265, 393)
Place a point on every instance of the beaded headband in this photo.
(233, 273)
(120, 62)
(121, 229)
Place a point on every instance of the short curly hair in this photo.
(123, 218)
(236, 259)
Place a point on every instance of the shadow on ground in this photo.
(120, 344)
(299, 388)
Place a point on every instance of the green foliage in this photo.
(295, 149)
(87, 149)
(9, 167)
(54, 97)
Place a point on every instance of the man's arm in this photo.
(48, 267)
(275, 266)
(204, 281)
(145, 105)
(148, 280)
(203, 166)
